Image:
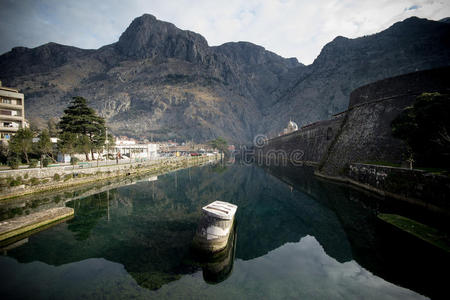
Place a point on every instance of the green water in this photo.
(296, 237)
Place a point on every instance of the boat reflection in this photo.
(217, 266)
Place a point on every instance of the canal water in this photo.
(296, 237)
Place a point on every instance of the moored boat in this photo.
(215, 225)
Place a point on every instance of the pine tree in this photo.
(220, 144)
(82, 121)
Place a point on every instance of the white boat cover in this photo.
(220, 209)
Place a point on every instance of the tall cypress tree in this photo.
(82, 121)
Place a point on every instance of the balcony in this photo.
(14, 114)
(10, 118)
(10, 106)
(9, 128)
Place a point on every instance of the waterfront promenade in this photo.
(20, 182)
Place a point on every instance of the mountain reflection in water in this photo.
(134, 241)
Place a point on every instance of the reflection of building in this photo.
(292, 126)
(12, 112)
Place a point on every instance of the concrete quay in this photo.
(20, 225)
(48, 179)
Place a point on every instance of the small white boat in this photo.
(214, 228)
(220, 210)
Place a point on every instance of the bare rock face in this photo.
(148, 37)
(323, 88)
(164, 82)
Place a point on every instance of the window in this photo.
(5, 112)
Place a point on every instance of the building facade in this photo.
(12, 112)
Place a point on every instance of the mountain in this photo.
(343, 65)
(163, 82)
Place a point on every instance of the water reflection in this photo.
(288, 230)
(218, 266)
(300, 270)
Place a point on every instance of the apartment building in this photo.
(12, 112)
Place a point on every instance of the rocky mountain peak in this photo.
(249, 53)
(148, 37)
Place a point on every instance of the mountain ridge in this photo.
(163, 82)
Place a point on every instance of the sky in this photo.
(290, 28)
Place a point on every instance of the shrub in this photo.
(67, 177)
(45, 162)
(33, 163)
(33, 181)
(25, 176)
(15, 182)
(56, 177)
(74, 160)
(13, 162)
(45, 180)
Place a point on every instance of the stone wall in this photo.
(408, 84)
(416, 186)
(312, 141)
(38, 180)
(366, 134)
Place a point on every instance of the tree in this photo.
(110, 142)
(44, 146)
(67, 143)
(220, 144)
(425, 127)
(88, 127)
(22, 143)
(52, 125)
(3, 153)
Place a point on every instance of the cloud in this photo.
(413, 7)
(287, 27)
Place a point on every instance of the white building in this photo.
(149, 151)
(292, 126)
(12, 112)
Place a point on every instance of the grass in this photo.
(422, 231)
(438, 171)
(433, 170)
(382, 163)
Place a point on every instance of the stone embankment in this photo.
(17, 226)
(419, 187)
(26, 181)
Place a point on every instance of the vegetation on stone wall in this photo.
(425, 127)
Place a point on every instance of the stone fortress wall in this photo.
(366, 134)
(362, 136)
(312, 140)
(363, 132)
